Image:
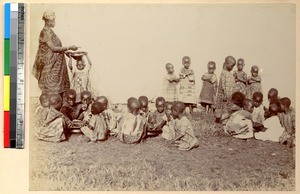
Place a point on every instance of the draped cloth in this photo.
(50, 67)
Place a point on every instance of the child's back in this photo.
(273, 130)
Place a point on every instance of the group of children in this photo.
(236, 102)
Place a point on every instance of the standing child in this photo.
(94, 127)
(254, 81)
(226, 87)
(168, 130)
(287, 119)
(258, 112)
(240, 77)
(170, 84)
(185, 138)
(80, 80)
(157, 119)
(187, 93)
(209, 88)
(109, 116)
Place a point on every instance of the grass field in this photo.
(219, 163)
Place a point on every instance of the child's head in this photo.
(86, 98)
(177, 109)
(273, 110)
(44, 100)
(285, 104)
(143, 100)
(71, 97)
(211, 67)
(168, 109)
(129, 100)
(55, 101)
(186, 62)
(240, 64)
(257, 98)
(273, 95)
(80, 64)
(97, 108)
(254, 71)
(169, 68)
(160, 104)
(229, 62)
(103, 100)
(134, 106)
(248, 105)
(238, 98)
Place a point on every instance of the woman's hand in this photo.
(73, 48)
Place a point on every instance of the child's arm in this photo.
(254, 79)
(70, 64)
(242, 78)
(176, 138)
(78, 111)
(88, 59)
(160, 125)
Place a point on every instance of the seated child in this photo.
(170, 84)
(55, 123)
(240, 123)
(109, 116)
(185, 138)
(209, 88)
(273, 99)
(254, 81)
(71, 109)
(86, 100)
(80, 79)
(144, 110)
(125, 110)
(258, 112)
(42, 110)
(273, 129)
(287, 120)
(240, 77)
(131, 127)
(157, 119)
(94, 127)
(168, 130)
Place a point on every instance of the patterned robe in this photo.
(209, 89)
(170, 88)
(187, 93)
(241, 86)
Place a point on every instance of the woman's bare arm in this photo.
(60, 49)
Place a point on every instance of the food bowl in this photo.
(76, 55)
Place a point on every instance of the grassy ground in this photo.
(220, 163)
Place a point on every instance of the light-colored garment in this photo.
(258, 114)
(187, 93)
(273, 132)
(131, 128)
(53, 126)
(287, 120)
(80, 80)
(96, 128)
(240, 125)
(254, 87)
(189, 140)
(170, 87)
(40, 115)
(168, 130)
(241, 86)
(209, 88)
(110, 119)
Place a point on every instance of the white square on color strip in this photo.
(14, 6)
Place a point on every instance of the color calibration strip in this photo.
(14, 35)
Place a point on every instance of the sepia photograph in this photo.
(162, 97)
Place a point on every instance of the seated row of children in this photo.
(247, 118)
(97, 122)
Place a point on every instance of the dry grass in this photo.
(220, 163)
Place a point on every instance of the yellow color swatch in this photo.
(6, 92)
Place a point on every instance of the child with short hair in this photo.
(273, 99)
(42, 110)
(170, 84)
(272, 127)
(157, 119)
(80, 79)
(144, 102)
(258, 112)
(94, 126)
(86, 101)
(71, 109)
(240, 77)
(168, 130)
(109, 116)
(240, 123)
(55, 123)
(185, 138)
(254, 81)
(187, 93)
(209, 88)
(287, 119)
(226, 87)
(131, 127)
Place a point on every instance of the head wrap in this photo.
(49, 15)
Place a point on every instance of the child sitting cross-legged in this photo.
(42, 110)
(168, 130)
(185, 138)
(71, 109)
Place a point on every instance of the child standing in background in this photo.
(254, 81)
(240, 77)
(209, 88)
(80, 79)
(187, 93)
(170, 84)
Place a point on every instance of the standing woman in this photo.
(50, 67)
